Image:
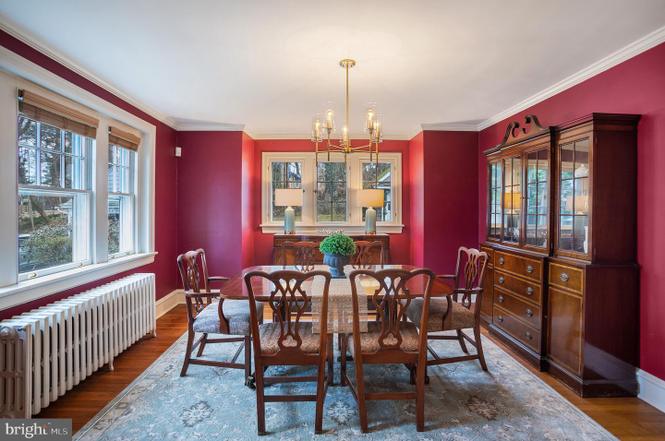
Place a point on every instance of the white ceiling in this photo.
(271, 66)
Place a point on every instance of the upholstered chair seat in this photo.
(369, 341)
(460, 317)
(235, 311)
(270, 333)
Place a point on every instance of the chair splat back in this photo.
(194, 275)
(365, 254)
(304, 254)
(469, 272)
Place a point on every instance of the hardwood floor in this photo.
(627, 418)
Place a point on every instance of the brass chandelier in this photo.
(323, 131)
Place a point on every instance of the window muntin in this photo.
(495, 209)
(121, 200)
(331, 194)
(574, 194)
(54, 198)
(537, 198)
(285, 174)
(379, 176)
(512, 199)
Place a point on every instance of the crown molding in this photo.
(193, 126)
(361, 136)
(629, 51)
(31, 41)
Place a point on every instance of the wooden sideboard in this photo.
(562, 286)
(283, 255)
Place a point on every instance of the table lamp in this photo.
(370, 198)
(289, 198)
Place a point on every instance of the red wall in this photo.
(210, 188)
(635, 86)
(165, 182)
(444, 192)
(399, 243)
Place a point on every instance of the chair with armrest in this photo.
(208, 314)
(368, 253)
(457, 311)
(303, 252)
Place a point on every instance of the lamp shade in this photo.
(512, 201)
(288, 197)
(370, 198)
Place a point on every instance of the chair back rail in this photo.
(391, 299)
(469, 273)
(364, 257)
(304, 253)
(289, 300)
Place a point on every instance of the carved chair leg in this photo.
(320, 397)
(202, 345)
(420, 396)
(260, 400)
(479, 347)
(460, 337)
(360, 387)
(188, 353)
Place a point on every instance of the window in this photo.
(54, 198)
(329, 190)
(120, 207)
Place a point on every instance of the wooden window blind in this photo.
(123, 138)
(44, 110)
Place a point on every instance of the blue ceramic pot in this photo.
(336, 263)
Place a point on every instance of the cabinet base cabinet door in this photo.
(566, 329)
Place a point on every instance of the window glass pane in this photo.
(331, 192)
(45, 226)
(566, 232)
(114, 224)
(50, 168)
(582, 158)
(27, 165)
(50, 137)
(27, 132)
(580, 234)
(285, 175)
(120, 208)
(567, 153)
(379, 177)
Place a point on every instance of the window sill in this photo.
(29, 290)
(324, 228)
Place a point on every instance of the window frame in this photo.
(131, 195)
(354, 222)
(18, 73)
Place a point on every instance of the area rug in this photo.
(462, 403)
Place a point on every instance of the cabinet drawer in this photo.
(509, 323)
(515, 285)
(523, 266)
(523, 310)
(567, 277)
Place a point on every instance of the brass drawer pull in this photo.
(501, 280)
(528, 335)
(529, 291)
(500, 319)
(529, 269)
(529, 312)
(501, 260)
(500, 299)
(564, 277)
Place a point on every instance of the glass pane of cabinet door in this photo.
(537, 198)
(494, 211)
(574, 196)
(512, 199)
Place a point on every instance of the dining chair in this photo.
(209, 314)
(367, 253)
(288, 340)
(457, 311)
(304, 254)
(390, 339)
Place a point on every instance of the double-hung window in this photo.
(330, 187)
(54, 191)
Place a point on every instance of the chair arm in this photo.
(217, 279)
(192, 312)
(446, 276)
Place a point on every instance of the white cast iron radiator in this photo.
(49, 350)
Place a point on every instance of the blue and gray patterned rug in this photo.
(463, 403)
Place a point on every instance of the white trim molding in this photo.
(325, 229)
(652, 389)
(169, 301)
(629, 51)
(451, 127)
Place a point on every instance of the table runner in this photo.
(340, 304)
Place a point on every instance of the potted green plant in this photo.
(337, 250)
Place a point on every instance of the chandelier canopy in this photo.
(323, 130)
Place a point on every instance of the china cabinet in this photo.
(561, 226)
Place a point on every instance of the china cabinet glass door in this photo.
(512, 199)
(494, 210)
(574, 196)
(537, 198)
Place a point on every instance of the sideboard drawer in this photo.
(526, 289)
(523, 266)
(510, 324)
(527, 312)
(567, 277)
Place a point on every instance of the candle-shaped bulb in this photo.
(345, 135)
(330, 119)
(370, 119)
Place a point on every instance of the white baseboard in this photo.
(169, 301)
(652, 389)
